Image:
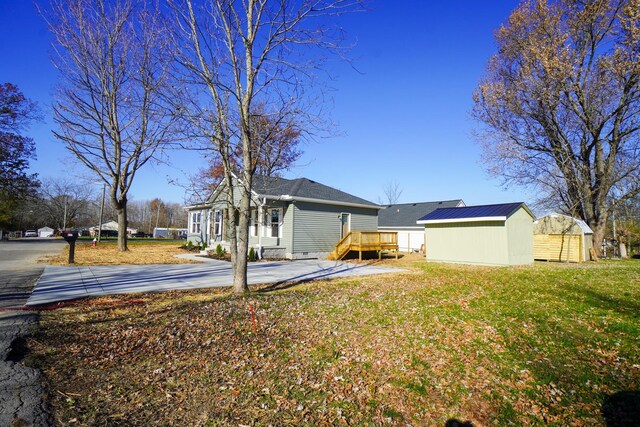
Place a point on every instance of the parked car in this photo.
(31, 233)
(141, 234)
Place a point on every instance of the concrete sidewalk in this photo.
(66, 283)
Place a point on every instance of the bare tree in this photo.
(241, 55)
(110, 108)
(392, 192)
(561, 101)
(64, 202)
(279, 152)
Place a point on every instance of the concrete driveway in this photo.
(66, 283)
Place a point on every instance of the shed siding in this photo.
(317, 226)
(481, 242)
(557, 247)
(520, 238)
(587, 242)
(560, 238)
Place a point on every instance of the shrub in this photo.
(189, 245)
(252, 255)
(204, 246)
(220, 251)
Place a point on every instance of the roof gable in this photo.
(406, 214)
(497, 212)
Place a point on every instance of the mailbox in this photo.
(71, 236)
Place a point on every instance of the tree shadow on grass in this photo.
(626, 306)
(622, 409)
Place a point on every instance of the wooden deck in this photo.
(363, 241)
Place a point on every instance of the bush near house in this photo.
(549, 344)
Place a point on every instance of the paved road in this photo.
(64, 283)
(21, 393)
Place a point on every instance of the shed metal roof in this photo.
(498, 212)
(406, 214)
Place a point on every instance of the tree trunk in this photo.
(121, 210)
(599, 229)
(240, 284)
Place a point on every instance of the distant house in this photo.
(45, 232)
(290, 218)
(499, 234)
(401, 218)
(110, 228)
(559, 237)
(170, 233)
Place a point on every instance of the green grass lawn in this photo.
(550, 344)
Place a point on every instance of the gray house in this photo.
(401, 218)
(290, 218)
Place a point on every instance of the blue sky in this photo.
(403, 117)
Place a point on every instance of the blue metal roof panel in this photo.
(469, 212)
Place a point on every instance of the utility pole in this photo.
(101, 212)
(157, 218)
(64, 218)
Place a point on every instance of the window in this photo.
(275, 219)
(217, 223)
(196, 218)
(254, 222)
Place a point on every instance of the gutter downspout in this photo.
(260, 226)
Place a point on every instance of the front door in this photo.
(345, 220)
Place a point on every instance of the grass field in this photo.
(141, 251)
(550, 344)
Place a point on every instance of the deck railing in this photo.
(363, 241)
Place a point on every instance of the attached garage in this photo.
(561, 238)
(499, 234)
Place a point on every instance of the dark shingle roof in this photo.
(305, 188)
(469, 212)
(406, 214)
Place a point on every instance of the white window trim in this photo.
(268, 223)
(196, 222)
(215, 222)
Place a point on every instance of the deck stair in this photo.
(363, 241)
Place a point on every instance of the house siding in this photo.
(317, 226)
